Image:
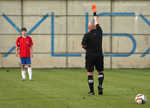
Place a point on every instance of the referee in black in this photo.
(92, 43)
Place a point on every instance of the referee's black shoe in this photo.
(100, 90)
(91, 93)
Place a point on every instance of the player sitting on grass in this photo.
(24, 45)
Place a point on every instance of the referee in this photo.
(92, 43)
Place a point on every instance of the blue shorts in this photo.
(25, 61)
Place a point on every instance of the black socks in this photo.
(91, 83)
(100, 79)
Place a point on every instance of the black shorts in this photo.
(94, 60)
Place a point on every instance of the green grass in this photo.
(67, 88)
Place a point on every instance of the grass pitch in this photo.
(67, 88)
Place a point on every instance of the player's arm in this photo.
(31, 51)
(17, 51)
(17, 47)
(84, 42)
(31, 46)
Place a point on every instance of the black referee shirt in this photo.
(92, 41)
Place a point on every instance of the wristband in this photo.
(94, 14)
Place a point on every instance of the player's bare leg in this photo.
(23, 72)
(30, 72)
(91, 83)
(100, 80)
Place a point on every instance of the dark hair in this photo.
(24, 29)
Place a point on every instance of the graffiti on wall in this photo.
(127, 35)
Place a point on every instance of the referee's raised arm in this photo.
(96, 20)
(96, 23)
